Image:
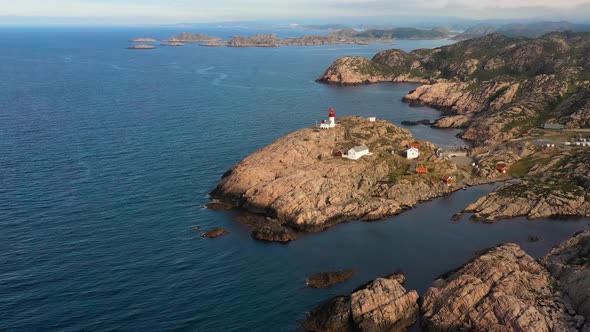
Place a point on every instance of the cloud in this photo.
(207, 10)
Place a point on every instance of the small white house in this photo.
(357, 152)
(372, 119)
(412, 153)
(327, 124)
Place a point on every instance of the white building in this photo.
(331, 122)
(412, 153)
(372, 119)
(357, 152)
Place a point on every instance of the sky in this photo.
(175, 11)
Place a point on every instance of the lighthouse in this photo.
(331, 122)
(332, 117)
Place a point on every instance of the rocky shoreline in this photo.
(501, 289)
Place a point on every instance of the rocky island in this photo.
(189, 37)
(141, 47)
(272, 40)
(143, 40)
(344, 36)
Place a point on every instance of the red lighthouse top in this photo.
(332, 112)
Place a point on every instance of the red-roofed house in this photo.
(421, 170)
(502, 169)
(448, 180)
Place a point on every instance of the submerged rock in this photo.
(569, 263)
(218, 206)
(381, 305)
(215, 232)
(533, 238)
(325, 279)
(503, 289)
(415, 123)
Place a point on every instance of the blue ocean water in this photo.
(106, 159)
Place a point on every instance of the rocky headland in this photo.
(500, 289)
(298, 182)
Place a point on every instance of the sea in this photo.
(107, 156)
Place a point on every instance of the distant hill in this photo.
(529, 30)
(405, 33)
(495, 87)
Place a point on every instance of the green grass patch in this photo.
(522, 167)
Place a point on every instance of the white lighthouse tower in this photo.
(332, 117)
(331, 123)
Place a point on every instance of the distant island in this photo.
(344, 36)
(173, 44)
(143, 40)
(141, 47)
(189, 37)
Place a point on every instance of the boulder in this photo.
(215, 232)
(273, 232)
(381, 305)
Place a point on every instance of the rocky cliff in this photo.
(569, 263)
(495, 87)
(298, 181)
(503, 289)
